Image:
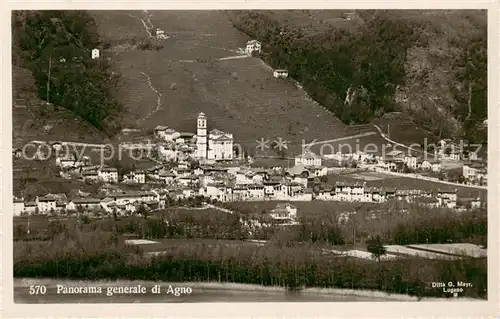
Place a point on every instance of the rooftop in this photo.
(309, 155)
(161, 128)
(86, 200)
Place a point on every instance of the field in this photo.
(403, 250)
(455, 249)
(238, 95)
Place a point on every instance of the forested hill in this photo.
(55, 46)
(430, 65)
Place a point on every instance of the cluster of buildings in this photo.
(203, 164)
(356, 192)
(227, 183)
(119, 202)
(204, 146)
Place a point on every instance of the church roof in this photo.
(222, 137)
(216, 132)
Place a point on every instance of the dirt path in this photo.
(158, 97)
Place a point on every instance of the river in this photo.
(199, 292)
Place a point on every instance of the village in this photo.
(205, 165)
(305, 153)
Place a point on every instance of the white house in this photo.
(325, 194)
(410, 161)
(108, 174)
(30, 207)
(90, 175)
(308, 158)
(87, 203)
(216, 191)
(284, 212)
(71, 161)
(188, 180)
(318, 171)
(349, 192)
(159, 131)
(472, 171)
(160, 34)
(132, 197)
(253, 46)
(447, 198)
(165, 133)
(46, 203)
(139, 176)
(57, 146)
(95, 54)
(18, 206)
(475, 203)
(280, 74)
(255, 191)
(220, 145)
(435, 166)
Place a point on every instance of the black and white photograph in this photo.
(250, 156)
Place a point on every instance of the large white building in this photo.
(220, 145)
(216, 145)
(108, 174)
(308, 158)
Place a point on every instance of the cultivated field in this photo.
(463, 249)
(404, 250)
(200, 69)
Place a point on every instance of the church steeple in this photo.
(201, 133)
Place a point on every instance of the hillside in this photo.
(200, 68)
(52, 63)
(430, 65)
(360, 71)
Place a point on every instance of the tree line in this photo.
(355, 71)
(394, 225)
(103, 255)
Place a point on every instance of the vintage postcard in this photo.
(250, 159)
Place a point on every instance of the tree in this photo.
(56, 228)
(375, 247)
(406, 169)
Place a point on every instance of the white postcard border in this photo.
(246, 310)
